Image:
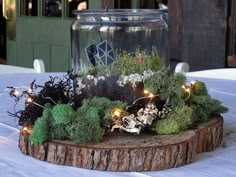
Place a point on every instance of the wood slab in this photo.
(125, 152)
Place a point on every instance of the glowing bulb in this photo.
(146, 92)
(183, 86)
(29, 100)
(151, 95)
(193, 82)
(117, 112)
(187, 90)
(25, 128)
(30, 90)
(16, 93)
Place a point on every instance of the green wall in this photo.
(41, 37)
(45, 38)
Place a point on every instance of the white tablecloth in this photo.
(220, 163)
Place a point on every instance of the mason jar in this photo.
(97, 35)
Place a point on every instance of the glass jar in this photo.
(97, 36)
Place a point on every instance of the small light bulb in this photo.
(29, 100)
(151, 95)
(30, 90)
(117, 113)
(187, 90)
(146, 92)
(25, 128)
(183, 86)
(193, 82)
(16, 93)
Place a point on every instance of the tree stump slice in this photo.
(210, 135)
(125, 152)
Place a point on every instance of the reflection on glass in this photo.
(52, 8)
(76, 5)
(29, 7)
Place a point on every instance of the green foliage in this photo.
(199, 88)
(167, 85)
(180, 119)
(105, 107)
(180, 78)
(58, 131)
(128, 63)
(86, 127)
(204, 106)
(41, 129)
(62, 113)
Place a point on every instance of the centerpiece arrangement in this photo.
(133, 115)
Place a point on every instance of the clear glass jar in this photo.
(98, 35)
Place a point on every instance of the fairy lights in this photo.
(116, 113)
(187, 89)
(29, 100)
(26, 130)
(148, 94)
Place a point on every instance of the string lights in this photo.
(149, 96)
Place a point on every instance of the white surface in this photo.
(38, 65)
(229, 74)
(220, 163)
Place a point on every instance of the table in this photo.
(220, 163)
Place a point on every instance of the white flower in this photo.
(147, 74)
(101, 78)
(90, 77)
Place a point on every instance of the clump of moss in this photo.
(199, 88)
(166, 85)
(180, 119)
(204, 106)
(58, 131)
(41, 128)
(128, 63)
(62, 113)
(86, 127)
(105, 107)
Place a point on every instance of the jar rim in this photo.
(118, 12)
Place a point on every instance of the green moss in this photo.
(105, 107)
(199, 88)
(128, 63)
(41, 129)
(204, 106)
(180, 119)
(180, 78)
(86, 127)
(58, 131)
(166, 85)
(62, 113)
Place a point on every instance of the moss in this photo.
(128, 63)
(58, 131)
(41, 129)
(62, 113)
(199, 88)
(105, 107)
(204, 106)
(86, 127)
(180, 119)
(166, 85)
